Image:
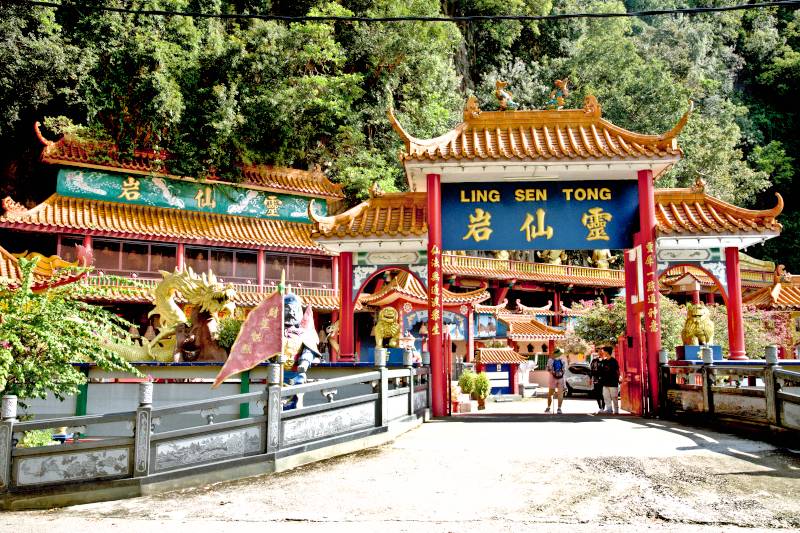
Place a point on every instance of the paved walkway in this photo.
(519, 471)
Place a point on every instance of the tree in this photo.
(43, 333)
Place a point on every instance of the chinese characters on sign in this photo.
(539, 215)
(172, 193)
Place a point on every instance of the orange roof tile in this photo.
(389, 215)
(524, 328)
(495, 356)
(71, 151)
(59, 213)
(539, 135)
(407, 287)
(693, 212)
(493, 309)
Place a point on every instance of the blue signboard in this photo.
(537, 215)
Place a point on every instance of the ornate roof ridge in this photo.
(69, 150)
(408, 285)
(683, 194)
(578, 133)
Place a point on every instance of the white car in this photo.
(578, 378)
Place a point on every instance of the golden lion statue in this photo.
(601, 258)
(387, 327)
(699, 329)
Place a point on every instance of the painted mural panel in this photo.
(204, 196)
(209, 447)
(317, 426)
(76, 466)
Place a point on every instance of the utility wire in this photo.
(414, 18)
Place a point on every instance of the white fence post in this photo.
(272, 408)
(8, 412)
(142, 430)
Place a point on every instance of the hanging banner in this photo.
(536, 215)
(207, 197)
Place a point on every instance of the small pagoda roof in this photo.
(527, 139)
(49, 271)
(522, 328)
(493, 309)
(103, 155)
(382, 218)
(691, 218)
(496, 356)
(66, 214)
(783, 295)
(406, 287)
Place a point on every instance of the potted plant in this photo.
(466, 384)
(482, 388)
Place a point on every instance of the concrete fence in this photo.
(364, 409)
(757, 393)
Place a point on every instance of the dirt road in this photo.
(493, 472)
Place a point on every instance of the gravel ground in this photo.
(510, 468)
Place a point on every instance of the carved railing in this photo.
(754, 392)
(292, 420)
(465, 264)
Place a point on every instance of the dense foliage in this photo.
(42, 333)
(216, 92)
(604, 324)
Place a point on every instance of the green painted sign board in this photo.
(205, 197)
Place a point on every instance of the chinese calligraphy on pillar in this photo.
(651, 318)
(435, 292)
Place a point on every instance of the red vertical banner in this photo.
(652, 320)
(438, 381)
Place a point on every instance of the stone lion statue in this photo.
(699, 329)
(387, 327)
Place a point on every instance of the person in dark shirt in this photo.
(609, 379)
(594, 372)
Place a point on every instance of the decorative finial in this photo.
(471, 110)
(699, 185)
(591, 106)
(504, 97)
(375, 190)
(558, 94)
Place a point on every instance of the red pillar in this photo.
(735, 317)
(557, 308)
(87, 245)
(710, 298)
(696, 297)
(438, 383)
(260, 269)
(346, 318)
(647, 238)
(470, 335)
(180, 256)
(335, 314)
(631, 359)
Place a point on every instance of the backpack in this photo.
(558, 368)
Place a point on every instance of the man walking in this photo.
(556, 366)
(609, 379)
(594, 372)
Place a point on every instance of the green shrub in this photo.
(482, 385)
(37, 437)
(228, 331)
(467, 381)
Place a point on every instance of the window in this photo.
(197, 259)
(68, 250)
(321, 270)
(163, 258)
(299, 269)
(106, 254)
(134, 256)
(274, 265)
(247, 265)
(222, 263)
